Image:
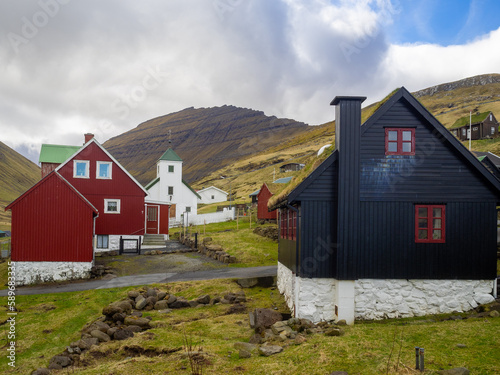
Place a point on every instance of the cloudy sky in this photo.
(104, 66)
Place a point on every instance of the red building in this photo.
(262, 199)
(86, 203)
(52, 229)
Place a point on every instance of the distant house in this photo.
(490, 161)
(253, 196)
(3, 234)
(484, 125)
(113, 207)
(168, 188)
(399, 221)
(262, 199)
(212, 195)
(291, 167)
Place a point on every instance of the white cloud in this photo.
(106, 66)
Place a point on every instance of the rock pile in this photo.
(121, 320)
(271, 232)
(272, 333)
(100, 271)
(207, 248)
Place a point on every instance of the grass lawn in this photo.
(46, 324)
(238, 239)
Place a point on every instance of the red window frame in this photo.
(430, 223)
(399, 141)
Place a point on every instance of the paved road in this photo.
(156, 278)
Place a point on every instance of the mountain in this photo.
(206, 139)
(17, 174)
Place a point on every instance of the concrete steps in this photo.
(153, 240)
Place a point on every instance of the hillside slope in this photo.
(17, 174)
(205, 138)
(447, 102)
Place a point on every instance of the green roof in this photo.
(170, 155)
(152, 183)
(190, 188)
(56, 153)
(476, 119)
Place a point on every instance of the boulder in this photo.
(251, 348)
(41, 371)
(140, 302)
(123, 333)
(161, 295)
(119, 317)
(133, 294)
(133, 320)
(101, 336)
(334, 331)
(161, 305)
(111, 309)
(60, 360)
(268, 350)
(265, 318)
(205, 300)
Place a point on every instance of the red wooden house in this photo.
(52, 229)
(262, 199)
(118, 197)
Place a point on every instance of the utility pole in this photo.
(470, 128)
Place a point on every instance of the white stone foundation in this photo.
(372, 299)
(379, 299)
(40, 272)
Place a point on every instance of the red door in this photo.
(152, 220)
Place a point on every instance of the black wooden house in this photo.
(400, 220)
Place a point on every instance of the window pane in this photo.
(407, 135)
(422, 223)
(392, 135)
(81, 168)
(436, 234)
(113, 206)
(170, 190)
(392, 147)
(436, 223)
(170, 168)
(103, 170)
(422, 212)
(436, 212)
(406, 146)
(422, 234)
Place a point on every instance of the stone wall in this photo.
(379, 299)
(285, 283)
(41, 272)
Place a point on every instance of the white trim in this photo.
(97, 170)
(87, 168)
(118, 206)
(212, 187)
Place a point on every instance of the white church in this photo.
(169, 188)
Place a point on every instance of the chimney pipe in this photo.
(88, 137)
(347, 144)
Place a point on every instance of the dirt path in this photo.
(126, 265)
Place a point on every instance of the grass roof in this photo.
(476, 119)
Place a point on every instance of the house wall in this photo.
(46, 168)
(52, 224)
(262, 199)
(436, 172)
(206, 196)
(130, 220)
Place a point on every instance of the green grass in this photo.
(48, 323)
(238, 239)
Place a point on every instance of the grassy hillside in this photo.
(17, 174)
(447, 102)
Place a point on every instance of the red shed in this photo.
(262, 199)
(52, 222)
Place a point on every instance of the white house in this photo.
(169, 187)
(212, 195)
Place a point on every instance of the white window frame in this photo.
(118, 206)
(87, 168)
(102, 237)
(98, 166)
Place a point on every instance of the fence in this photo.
(200, 219)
